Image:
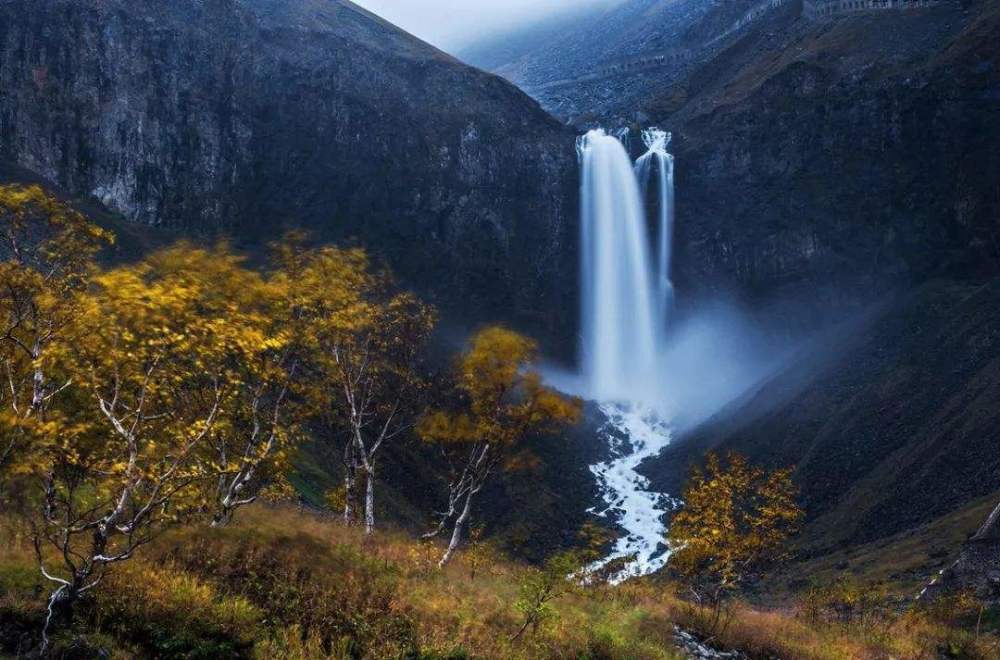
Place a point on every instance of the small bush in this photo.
(172, 614)
(333, 592)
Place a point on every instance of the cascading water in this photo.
(623, 328)
(656, 142)
(620, 324)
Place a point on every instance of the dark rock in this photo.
(251, 116)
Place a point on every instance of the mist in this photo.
(455, 24)
(712, 356)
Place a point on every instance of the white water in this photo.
(634, 433)
(656, 142)
(620, 324)
(624, 309)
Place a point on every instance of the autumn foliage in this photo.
(736, 519)
(176, 388)
(500, 401)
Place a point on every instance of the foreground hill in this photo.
(250, 116)
(281, 584)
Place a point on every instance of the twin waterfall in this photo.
(656, 142)
(626, 302)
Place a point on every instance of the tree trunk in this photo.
(58, 610)
(370, 499)
(990, 528)
(456, 533)
(349, 473)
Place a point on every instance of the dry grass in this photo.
(285, 584)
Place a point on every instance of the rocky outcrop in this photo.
(251, 116)
(977, 570)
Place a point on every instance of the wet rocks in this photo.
(693, 648)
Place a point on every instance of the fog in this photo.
(454, 24)
(712, 356)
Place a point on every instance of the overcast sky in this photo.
(453, 24)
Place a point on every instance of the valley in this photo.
(321, 341)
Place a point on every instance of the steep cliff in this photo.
(830, 161)
(250, 116)
(844, 159)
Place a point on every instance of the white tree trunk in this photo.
(456, 533)
(370, 499)
(349, 495)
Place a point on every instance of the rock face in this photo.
(841, 160)
(250, 116)
(828, 161)
(978, 567)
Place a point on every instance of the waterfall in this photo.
(622, 324)
(656, 142)
(624, 307)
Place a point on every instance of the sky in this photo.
(453, 24)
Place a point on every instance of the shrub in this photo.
(172, 614)
(335, 593)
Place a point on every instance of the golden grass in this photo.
(286, 584)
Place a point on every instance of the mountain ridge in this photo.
(248, 117)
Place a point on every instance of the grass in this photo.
(903, 564)
(286, 584)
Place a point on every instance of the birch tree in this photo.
(179, 381)
(502, 402)
(374, 370)
(254, 360)
(47, 251)
(124, 462)
(736, 519)
(365, 342)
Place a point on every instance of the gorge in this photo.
(783, 242)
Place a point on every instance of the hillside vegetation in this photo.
(283, 583)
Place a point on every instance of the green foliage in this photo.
(335, 594)
(539, 588)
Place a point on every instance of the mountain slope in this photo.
(859, 162)
(889, 425)
(857, 156)
(250, 116)
(606, 64)
(824, 167)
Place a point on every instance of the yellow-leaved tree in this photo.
(180, 367)
(736, 519)
(47, 252)
(365, 340)
(501, 402)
